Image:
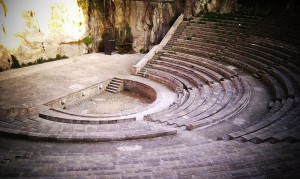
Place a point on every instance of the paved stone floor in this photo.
(202, 153)
(68, 75)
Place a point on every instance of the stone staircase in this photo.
(116, 85)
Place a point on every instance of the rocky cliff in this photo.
(33, 30)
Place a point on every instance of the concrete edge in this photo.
(137, 67)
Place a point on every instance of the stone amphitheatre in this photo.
(217, 97)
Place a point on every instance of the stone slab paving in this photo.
(45, 82)
(186, 155)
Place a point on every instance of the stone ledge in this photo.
(141, 131)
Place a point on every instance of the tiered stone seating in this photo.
(61, 116)
(196, 47)
(165, 79)
(209, 91)
(223, 92)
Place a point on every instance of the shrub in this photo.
(58, 57)
(15, 62)
(144, 50)
(88, 40)
(40, 60)
(201, 22)
(188, 38)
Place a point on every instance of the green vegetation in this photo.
(88, 40)
(223, 19)
(144, 51)
(124, 39)
(15, 62)
(214, 27)
(84, 4)
(188, 38)
(42, 60)
(202, 12)
(201, 22)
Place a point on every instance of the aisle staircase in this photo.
(116, 85)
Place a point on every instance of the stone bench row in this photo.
(283, 128)
(291, 39)
(193, 100)
(170, 70)
(216, 105)
(58, 116)
(276, 44)
(40, 129)
(185, 78)
(250, 132)
(207, 109)
(199, 72)
(201, 100)
(257, 55)
(240, 101)
(204, 62)
(165, 79)
(272, 59)
(218, 29)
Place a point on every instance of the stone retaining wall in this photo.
(140, 88)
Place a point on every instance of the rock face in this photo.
(34, 29)
(131, 23)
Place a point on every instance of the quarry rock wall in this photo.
(33, 30)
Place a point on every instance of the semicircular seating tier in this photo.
(196, 64)
(55, 123)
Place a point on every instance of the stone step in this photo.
(115, 85)
(111, 90)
